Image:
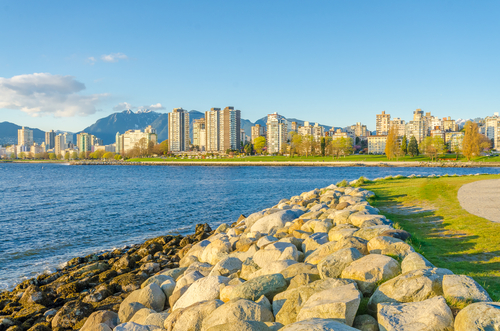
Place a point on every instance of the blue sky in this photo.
(65, 64)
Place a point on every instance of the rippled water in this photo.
(50, 213)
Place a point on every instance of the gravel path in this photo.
(481, 198)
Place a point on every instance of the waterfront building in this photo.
(223, 129)
(376, 144)
(306, 129)
(84, 141)
(492, 129)
(3, 152)
(358, 130)
(318, 131)
(199, 134)
(128, 140)
(258, 131)
(383, 123)
(49, 139)
(437, 132)
(339, 133)
(212, 129)
(106, 148)
(277, 132)
(294, 127)
(454, 140)
(60, 144)
(69, 138)
(243, 137)
(400, 126)
(178, 130)
(25, 136)
(416, 129)
(449, 125)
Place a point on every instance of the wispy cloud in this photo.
(92, 60)
(113, 57)
(42, 94)
(125, 105)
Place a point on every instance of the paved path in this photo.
(481, 198)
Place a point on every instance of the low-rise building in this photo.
(376, 144)
(127, 141)
(258, 131)
(454, 140)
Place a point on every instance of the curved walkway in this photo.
(481, 198)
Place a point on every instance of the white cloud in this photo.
(113, 57)
(42, 94)
(92, 60)
(125, 105)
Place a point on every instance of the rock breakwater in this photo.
(324, 260)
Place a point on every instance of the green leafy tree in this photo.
(82, 155)
(413, 147)
(323, 146)
(66, 156)
(432, 147)
(52, 156)
(74, 155)
(118, 157)
(248, 148)
(295, 144)
(404, 146)
(108, 155)
(22, 155)
(259, 144)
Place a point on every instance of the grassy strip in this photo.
(442, 231)
(349, 158)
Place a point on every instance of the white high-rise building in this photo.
(25, 136)
(383, 123)
(223, 129)
(128, 140)
(178, 130)
(277, 132)
(492, 125)
(199, 134)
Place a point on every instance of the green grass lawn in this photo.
(443, 232)
(349, 158)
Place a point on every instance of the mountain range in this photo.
(107, 127)
(8, 134)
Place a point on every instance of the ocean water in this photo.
(50, 213)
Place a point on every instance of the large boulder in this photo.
(342, 231)
(275, 220)
(389, 246)
(131, 326)
(140, 316)
(321, 252)
(275, 252)
(333, 265)
(188, 279)
(352, 242)
(464, 288)
(273, 268)
(240, 326)
(268, 285)
(235, 310)
(298, 268)
(430, 314)
(226, 267)
(413, 286)
(286, 305)
(207, 288)
(71, 315)
(216, 251)
(339, 303)
(110, 318)
(314, 241)
(128, 309)
(191, 318)
(318, 324)
(479, 316)
(33, 295)
(415, 261)
(371, 269)
(362, 220)
(365, 323)
(156, 319)
(370, 232)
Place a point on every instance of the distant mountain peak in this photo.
(145, 111)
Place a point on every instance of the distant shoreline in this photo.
(299, 164)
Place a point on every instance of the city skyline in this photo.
(339, 63)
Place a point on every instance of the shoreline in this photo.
(394, 164)
(115, 283)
